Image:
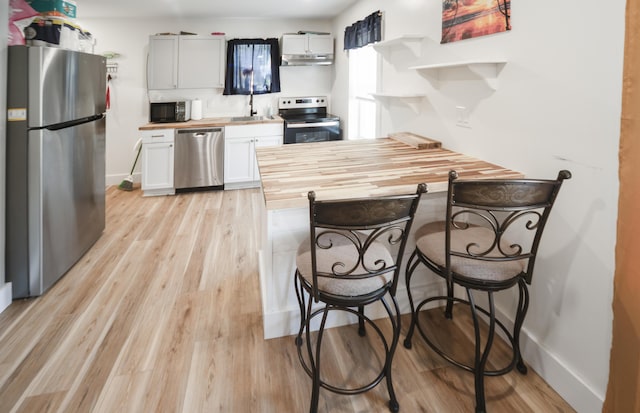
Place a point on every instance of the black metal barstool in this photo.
(487, 243)
(352, 259)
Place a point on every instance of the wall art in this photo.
(466, 19)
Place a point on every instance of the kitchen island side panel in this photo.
(284, 229)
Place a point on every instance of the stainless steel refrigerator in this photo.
(55, 163)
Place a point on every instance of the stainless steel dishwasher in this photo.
(198, 158)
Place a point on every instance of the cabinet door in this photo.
(157, 166)
(320, 44)
(239, 159)
(294, 44)
(201, 62)
(262, 142)
(268, 141)
(162, 67)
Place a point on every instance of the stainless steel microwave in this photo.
(165, 112)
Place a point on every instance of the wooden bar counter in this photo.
(344, 169)
(360, 168)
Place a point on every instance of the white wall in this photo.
(557, 106)
(129, 100)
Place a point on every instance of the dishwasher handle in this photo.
(199, 132)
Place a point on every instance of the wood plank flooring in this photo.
(163, 314)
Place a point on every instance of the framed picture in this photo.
(466, 19)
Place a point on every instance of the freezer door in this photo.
(64, 85)
(66, 180)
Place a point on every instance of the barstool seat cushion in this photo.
(430, 240)
(344, 251)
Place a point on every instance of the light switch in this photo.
(462, 117)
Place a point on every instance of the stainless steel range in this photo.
(306, 120)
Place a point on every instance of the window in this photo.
(253, 67)
(363, 79)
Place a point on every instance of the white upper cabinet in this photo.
(186, 62)
(162, 67)
(306, 44)
(306, 49)
(294, 44)
(201, 62)
(320, 44)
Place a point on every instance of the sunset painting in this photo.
(465, 19)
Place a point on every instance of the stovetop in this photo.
(309, 117)
(307, 109)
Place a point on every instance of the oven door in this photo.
(303, 132)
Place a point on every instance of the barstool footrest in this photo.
(450, 359)
(335, 389)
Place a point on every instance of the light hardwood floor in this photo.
(163, 314)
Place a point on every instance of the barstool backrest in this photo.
(357, 228)
(498, 220)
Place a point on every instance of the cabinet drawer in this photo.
(260, 129)
(158, 136)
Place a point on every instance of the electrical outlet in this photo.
(462, 117)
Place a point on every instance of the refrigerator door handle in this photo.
(75, 122)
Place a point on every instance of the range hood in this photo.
(307, 59)
(306, 49)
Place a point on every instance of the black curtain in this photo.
(253, 65)
(363, 32)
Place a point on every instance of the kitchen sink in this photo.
(250, 118)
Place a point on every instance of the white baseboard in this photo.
(559, 376)
(5, 296)
(117, 178)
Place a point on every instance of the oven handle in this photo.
(312, 125)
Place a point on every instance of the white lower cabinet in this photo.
(239, 160)
(240, 143)
(157, 162)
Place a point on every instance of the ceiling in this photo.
(212, 8)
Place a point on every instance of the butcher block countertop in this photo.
(351, 169)
(213, 122)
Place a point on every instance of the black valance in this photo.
(363, 32)
(253, 67)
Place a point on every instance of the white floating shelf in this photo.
(410, 99)
(404, 39)
(487, 69)
(396, 95)
(411, 41)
